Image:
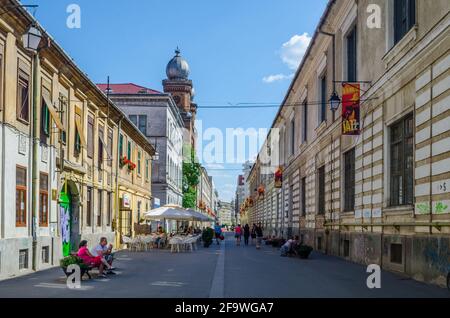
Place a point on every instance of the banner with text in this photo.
(350, 109)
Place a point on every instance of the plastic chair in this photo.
(175, 244)
(128, 241)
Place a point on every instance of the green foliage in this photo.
(190, 198)
(207, 236)
(191, 178)
(69, 260)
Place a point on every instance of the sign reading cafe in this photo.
(350, 109)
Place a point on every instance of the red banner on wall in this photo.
(350, 109)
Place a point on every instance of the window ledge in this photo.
(404, 209)
(321, 128)
(23, 121)
(399, 49)
(303, 146)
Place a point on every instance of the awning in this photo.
(53, 112)
(80, 132)
(171, 212)
(105, 147)
(201, 216)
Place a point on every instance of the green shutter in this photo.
(120, 145)
(45, 119)
(77, 141)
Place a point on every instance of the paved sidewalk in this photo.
(222, 271)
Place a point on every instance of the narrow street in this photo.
(225, 271)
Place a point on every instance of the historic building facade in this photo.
(63, 187)
(134, 179)
(205, 193)
(159, 119)
(380, 195)
(225, 213)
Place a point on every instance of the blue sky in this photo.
(239, 51)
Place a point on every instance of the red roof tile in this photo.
(128, 88)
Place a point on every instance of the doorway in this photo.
(69, 208)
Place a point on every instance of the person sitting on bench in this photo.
(90, 260)
(102, 249)
(288, 247)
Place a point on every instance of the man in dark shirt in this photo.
(259, 235)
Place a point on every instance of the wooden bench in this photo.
(84, 270)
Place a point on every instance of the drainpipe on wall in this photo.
(117, 208)
(34, 170)
(2, 195)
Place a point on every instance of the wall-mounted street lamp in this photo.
(155, 157)
(335, 101)
(32, 38)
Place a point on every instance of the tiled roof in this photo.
(127, 88)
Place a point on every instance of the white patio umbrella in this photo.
(171, 212)
(201, 216)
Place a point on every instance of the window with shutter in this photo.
(90, 137)
(402, 162)
(321, 196)
(404, 18)
(43, 199)
(349, 180)
(351, 56)
(21, 196)
(23, 98)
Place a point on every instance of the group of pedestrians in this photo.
(256, 233)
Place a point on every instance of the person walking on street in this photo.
(253, 233)
(259, 235)
(238, 234)
(246, 234)
(218, 232)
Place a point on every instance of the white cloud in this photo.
(293, 50)
(276, 78)
(291, 54)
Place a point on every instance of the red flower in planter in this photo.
(261, 191)
(131, 165)
(123, 161)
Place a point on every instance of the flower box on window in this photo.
(261, 192)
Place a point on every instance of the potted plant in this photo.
(202, 206)
(279, 178)
(207, 237)
(261, 192)
(73, 260)
(303, 251)
(278, 242)
(123, 161)
(131, 166)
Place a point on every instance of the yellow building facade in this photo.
(60, 167)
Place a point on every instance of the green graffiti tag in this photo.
(440, 208)
(423, 208)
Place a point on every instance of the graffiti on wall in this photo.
(65, 223)
(437, 255)
(439, 207)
